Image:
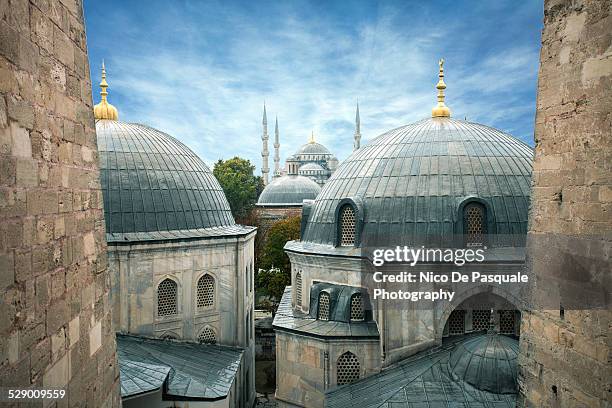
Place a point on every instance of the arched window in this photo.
(298, 288)
(324, 301)
(206, 292)
(357, 312)
(167, 302)
(207, 336)
(474, 224)
(506, 321)
(456, 322)
(347, 225)
(347, 369)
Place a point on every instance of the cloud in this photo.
(201, 71)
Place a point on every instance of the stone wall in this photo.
(55, 321)
(565, 347)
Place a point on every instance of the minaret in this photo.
(357, 142)
(276, 150)
(441, 110)
(264, 151)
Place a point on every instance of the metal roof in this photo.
(421, 381)
(190, 370)
(152, 182)
(313, 148)
(288, 319)
(288, 190)
(311, 167)
(412, 179)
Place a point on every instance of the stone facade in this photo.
(55, 317)
(565, 350)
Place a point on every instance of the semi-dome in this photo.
(151, 182)
(288, 190)
(409, 184)
(487, 362)
(311, 167)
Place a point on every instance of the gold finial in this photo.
(311, 137)
(105, 110)
(441, 110)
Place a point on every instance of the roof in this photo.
(290, 320)
(152, 182)
(412, 180)
(200, 233)
(190, 370)
(311, 167)
(313, 148)
(421, 381)
(288, 190)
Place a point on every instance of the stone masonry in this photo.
(55, 320)
(565, 350)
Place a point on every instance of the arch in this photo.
(488, 222)
(167, 298)
(324, 306)
(169, 336)
(205, 292)
(474, 224)
(207, 335)
(348, 368)
(348, 219)
(298, 288)
(357, 307)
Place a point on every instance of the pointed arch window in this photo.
(348, 223)
(298, 288)
(205, 292)
(207, 336)
(347, 368)
(474, 224)
(167, 302)
(324, 303)
(357, 310)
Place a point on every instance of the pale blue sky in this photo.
(200, 70)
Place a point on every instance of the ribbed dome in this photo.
(410, 182)
(288, 190)
(151, 182)
(313, 148)
(487, 362)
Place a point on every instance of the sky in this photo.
(201, 70)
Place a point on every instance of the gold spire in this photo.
(441, 110)
(105, 110)
(311, 137)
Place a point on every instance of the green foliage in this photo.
(274, 272)
(241, 187)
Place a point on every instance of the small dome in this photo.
(152, 182)
(311, 167)
(487, 362)
(288, 190)
(413, 179)
(313, 148)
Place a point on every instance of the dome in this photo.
(313, 147)
(311, 167)
(487, 362)
(409, 183)
(288, 190)
(151, 182)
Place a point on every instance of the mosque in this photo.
(181, 271)
(439, 183)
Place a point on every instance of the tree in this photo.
(274, 272)
(239, 184)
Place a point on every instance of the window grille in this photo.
(506, 321)
(456, 322)
(207, 336)
(474, 224)
(324, 306)
(347, 368)
(298, 289)
(347, 226)
(481, 319)
(167, 304)
(206, 291)
(357, 312)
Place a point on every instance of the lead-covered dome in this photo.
(151, 182)
(288, 190)
(408, 184)
(312, 148)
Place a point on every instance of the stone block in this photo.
(20, 143)
(26, 173)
